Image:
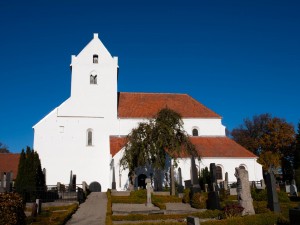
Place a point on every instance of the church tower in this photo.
(75, 135)
(94, 83)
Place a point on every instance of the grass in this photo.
(265, 217)
(54, 215)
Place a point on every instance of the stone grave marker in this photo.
(273, 203)
(293, 189)
(226, 182)
(149, 190)
(213, 201)
(73, 183)
(243, 191)
(191, 220)
(180, 186)
(194, 177)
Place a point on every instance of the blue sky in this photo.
(239, 58)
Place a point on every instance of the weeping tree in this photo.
(156, 139)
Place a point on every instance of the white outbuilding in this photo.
(88, 130)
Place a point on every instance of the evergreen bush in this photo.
(11, 209)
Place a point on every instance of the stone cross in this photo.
(149, 190)
(243, 191)
(273, 203)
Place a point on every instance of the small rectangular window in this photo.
(61, 129)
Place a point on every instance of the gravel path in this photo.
(92, 211)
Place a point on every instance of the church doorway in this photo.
(95, 187)
(142, 181)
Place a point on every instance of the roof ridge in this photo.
(154, 93)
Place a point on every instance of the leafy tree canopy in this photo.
(269, 159)
(3, 148)
(266, 133)
(148, 143)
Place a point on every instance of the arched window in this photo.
(219, 173)
(95, 58)
(242, 166)
(89, 137)
(93, 79)
(195, 132)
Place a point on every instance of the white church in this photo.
(87, 131)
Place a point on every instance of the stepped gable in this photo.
(146, 105)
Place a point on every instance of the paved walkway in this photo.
(92, 211)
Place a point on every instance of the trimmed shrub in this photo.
(199, 201)
(259, 194)
(233, 210)
(186, 196)
(260, 207)
(11, 209)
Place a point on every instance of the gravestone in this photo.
(95, 187)
(194, 177)
(226, 182)
(73, 183)
(44, 172)
(213, 201)
(187, 184)
(71, 179)
(9, 179)
(273, 203)
(180, 186)
(243, 191)
(84, 187)
(194, 173)
(149, 190)
(38, 206)
(293, 189)
(262, 183)
(294, 215)
(191, 220)
(172, 181)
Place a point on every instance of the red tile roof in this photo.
(220, 147)
(116, 144)
(206, 147)
(9, 162)
(146, 105)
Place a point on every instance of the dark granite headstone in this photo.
(191, 220)
(213, 201)
(74, 183)
(113, 184)
(180, 186)
(9, 181)
(194, 173)
(294, 215)
(273, 203)
(187, 184)
(95, 187)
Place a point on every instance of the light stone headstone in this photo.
(226, 182)
(149, 190)
(293, 189)
(38, 206)
(243, 191)
(263, 185)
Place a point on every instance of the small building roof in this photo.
(215, 147)
(9, 162)
(146, 105)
